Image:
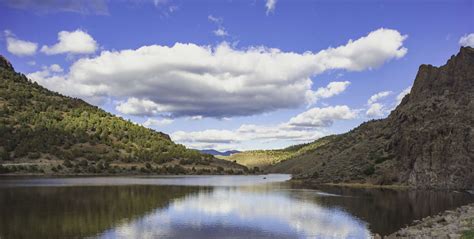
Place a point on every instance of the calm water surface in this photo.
(263, 206)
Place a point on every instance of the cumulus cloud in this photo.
(150, 123)
(322, 117)
(467, 40)
(83, 7)
(221, 81)
(332, 89)
(46, 71)
(377, 109)
(74, 42)
(270, 5)
(304, 127)
(134, 106)
(233, 139)
(378, 96)
(19, 47)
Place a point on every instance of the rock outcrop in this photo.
(427, 141)
(4, 63)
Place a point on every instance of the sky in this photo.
(235, 74)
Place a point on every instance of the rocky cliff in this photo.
(427, 141)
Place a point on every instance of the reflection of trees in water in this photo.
(67, 212)
(387, 210)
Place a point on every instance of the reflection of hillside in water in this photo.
(386, 210)
(73, 212)
(242, 213)
(227, 206)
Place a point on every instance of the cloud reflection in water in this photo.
(241, 213)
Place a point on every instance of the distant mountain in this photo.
(215, 152)
(426, 142)
(45, 132)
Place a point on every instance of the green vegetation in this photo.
(468, 234)
(265, 158)
(39, 125)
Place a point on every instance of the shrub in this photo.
(34, 155)
(3, 169)
(67, 163)
(369, 170)
(4, 155)
(83, 163)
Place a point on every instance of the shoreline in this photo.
(378, 186)
(455, 223)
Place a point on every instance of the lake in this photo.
(263, 206)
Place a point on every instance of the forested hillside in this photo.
(43, 131)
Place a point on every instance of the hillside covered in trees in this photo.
(45, 132)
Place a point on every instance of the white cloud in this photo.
(378, 96)
(233, 139)
(75, 42)
(207, 136)
(55, 68)
(150, 123)
(332, 89)
(304, 127)
(134, 106)
(467, 40)
(47, 71)
(221, 81)
(375, 110)
(220, 31)
(402, 94)
(19, 47)
(270, 5)
(322, 117)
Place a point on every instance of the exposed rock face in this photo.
(433, 126)
(427, 141)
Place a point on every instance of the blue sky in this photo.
(254, 74)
